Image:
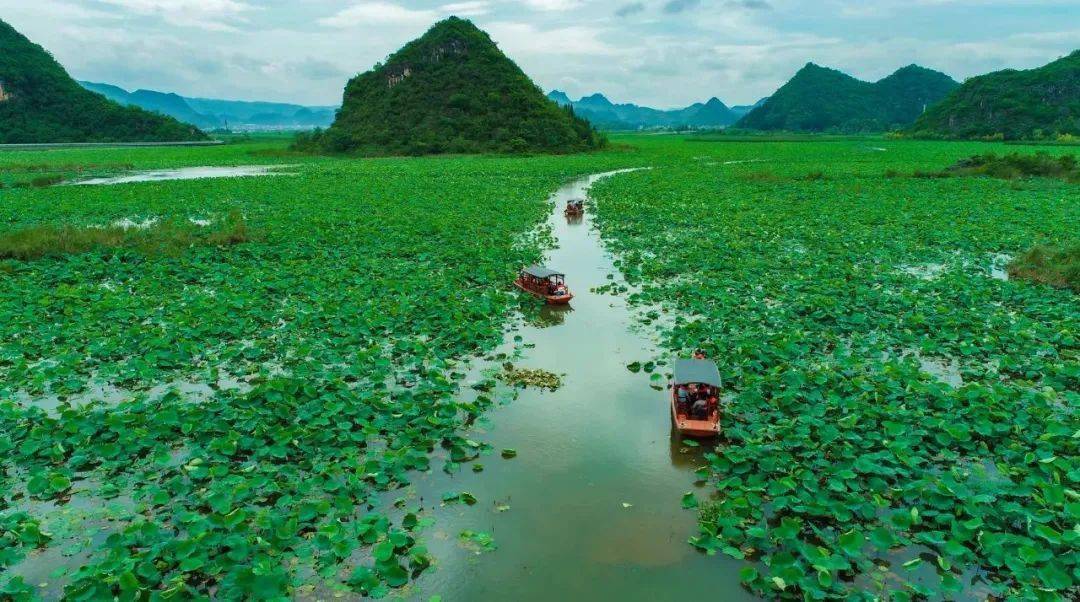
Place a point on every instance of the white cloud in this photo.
(378, 13)
(523, 39)
(466, 9)
(553, 5)
(217, 15)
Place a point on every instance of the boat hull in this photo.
(690, 427)
(550, 299)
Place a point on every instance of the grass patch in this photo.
(161, 238)
(1057, 266)
(759, 176)
(1016, 165)
(813, 176)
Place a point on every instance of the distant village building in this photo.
(4, 96)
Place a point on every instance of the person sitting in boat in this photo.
(699, 354)
(684, 399)
(700, 409)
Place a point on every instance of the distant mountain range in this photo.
(1037, 103)
(819, 99)
(604, 114)
(40, 103)
(208, 113)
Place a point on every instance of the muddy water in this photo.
(590, 507)
(187, 173)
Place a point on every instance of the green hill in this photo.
(819, 99)
(452, 91)
(39, 102)
(1012, 104)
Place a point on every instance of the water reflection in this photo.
(187, 173)
(546, 316)
(593, 495)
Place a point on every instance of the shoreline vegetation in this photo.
(152, 237)
(1056, 266)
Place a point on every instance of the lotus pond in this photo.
(832, 295)
(255, 420)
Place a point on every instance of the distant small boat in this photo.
(544, 283)
(695, 398)
(574, 208)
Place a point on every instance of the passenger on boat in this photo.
(701, 409)
(684, 399)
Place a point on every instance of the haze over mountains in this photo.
(208, 113)
(604, 114)
(819, 99)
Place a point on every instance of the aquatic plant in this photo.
(250, 402)
(847, 469)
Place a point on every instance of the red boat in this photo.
(574, 208)
(544, 283)
(695, 398)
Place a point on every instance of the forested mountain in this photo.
(39, 102)
(1035, 103)
(604, 114)
(212, 113)
(451, 91)
(819, 99)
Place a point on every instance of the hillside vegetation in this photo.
(819, 99)
(1010, 104)
(39, 102)
(451, 91)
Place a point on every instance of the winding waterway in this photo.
(590, 507)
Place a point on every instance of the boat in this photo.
(694, 380)
(544, 283)
(575, 208)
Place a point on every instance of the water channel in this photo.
(590, 507)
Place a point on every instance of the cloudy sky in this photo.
(664, 53)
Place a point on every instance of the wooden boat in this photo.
(695, 378)
(574, 208)
(544, 283)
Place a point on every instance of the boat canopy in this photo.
(703, 372)
(541, 272)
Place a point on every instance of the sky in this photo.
(661, 53)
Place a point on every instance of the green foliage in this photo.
(41, 103)
(1058, 266)
(818, 99)
(844, 455)
(1016, 165)
(450, 91)
(260, 396)
(1036, 104)
(159, 237)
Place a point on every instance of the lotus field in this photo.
(232, 420)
